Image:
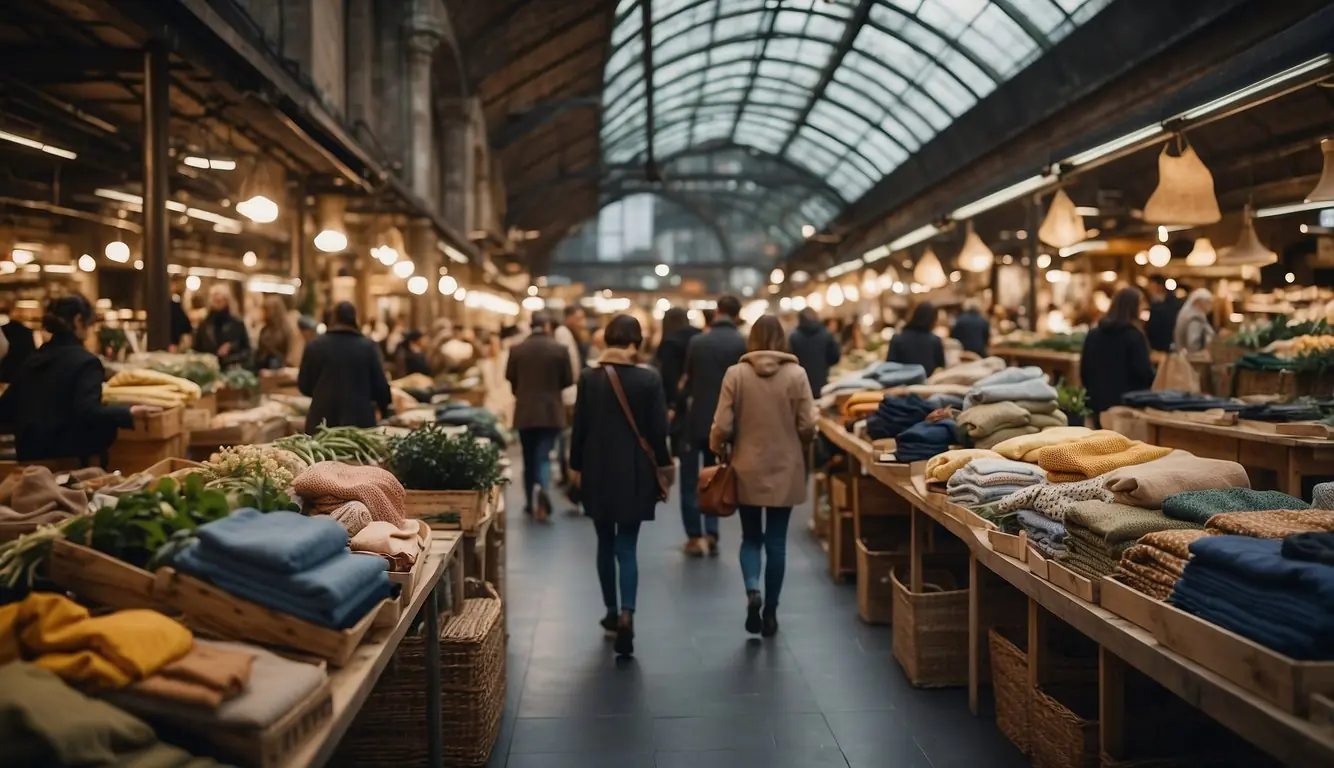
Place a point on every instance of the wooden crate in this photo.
(134, 456)
(99, 578)
(449, 510)
(171, 466)
(237, 399)
(155, 426)
(197, 419)
(1127, 602)
(1078, 585)
(208, 402)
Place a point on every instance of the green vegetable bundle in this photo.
(237, 377)
(350, 445)
(201, 369)
(430, 459)
(1071, 399)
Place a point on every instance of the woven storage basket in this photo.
(931, 631)
(1009, 683)
(1060, 736)
(391, 732)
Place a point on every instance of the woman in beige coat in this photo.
(765, 420)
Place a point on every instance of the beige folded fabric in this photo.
(1001, 435)
(206, 676)
(982, 420)
(1018, 449)
(968, 373)
(1147, 484)
(941, 467)
(401, 546)
(1051, 420)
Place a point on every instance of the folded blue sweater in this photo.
(282, 542)
(1261, 562)
(922, 441)
(1283, 621)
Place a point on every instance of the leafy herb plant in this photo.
(430, 459)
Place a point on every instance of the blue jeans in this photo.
(617, 544)
(537, 443)
(771, 540)
(690, 516)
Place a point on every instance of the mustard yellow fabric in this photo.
(1018, 448)
(869, 403)
(941, 467)
(1095, 455)
(109, 651)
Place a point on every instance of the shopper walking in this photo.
(410, 357)
(972, 329)
(620, 418)
(1193, 329)
(1164, 307)
(21, 342)
(222, 332)
(708, 358)
(1115, 358)
(918, 343)
(538, 370)
(571, 331)
(671, 362)
(815, 347)
(342, 375)
(765, 420)
(279, 344)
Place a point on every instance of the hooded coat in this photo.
(1115, 360)
(766, 414)
(816, 350)
(1193, 331)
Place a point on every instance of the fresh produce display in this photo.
(350, 445)
(145, 387)
(260, 413)
(194, 368)
(270, 464)
(237, 377)
(429, 458)
(1281, 328)
(1060, 342)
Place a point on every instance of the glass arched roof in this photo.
(846, 90)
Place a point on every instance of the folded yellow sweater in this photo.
(1095, 455)
(864, 399)
(1018, 448)
(109, 651)
(941, 467)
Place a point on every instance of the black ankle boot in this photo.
(754, 604)
(625, 634)
(609, 622)
(770, 622)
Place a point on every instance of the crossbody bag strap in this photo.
(625, 408)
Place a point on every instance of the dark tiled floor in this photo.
(700, 692)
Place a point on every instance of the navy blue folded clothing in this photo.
(282, 542)
(1282, 626)
(922, 441)
(1281, 412)
(897, 414)
(1261, 562)
(1312, 547)
(1172, 400)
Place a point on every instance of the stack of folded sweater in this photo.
(1099, 533)
(1199, 506)
(1323, 496)
(953, 394)
(1149, 484)
(35, 496)
(968, 374)
(1045, 534)
(984, 481)
(289, 563)
(1272, 523)
(1172, 400)
(1096, 455)
(854, 384)
(1054, 500)
(1249, 587)
(859, 405)
(940, 468)
(896, 414)
(889, 374)
(994, 423)
(1029, 447)
(925, 440)
(1156, 563)
(1280, 412)
(1013, 384)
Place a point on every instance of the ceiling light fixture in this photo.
(1160, 255)
(249, 259)
(49, 149)
(87, 263)
(417, 285)
(928, 270)
(209, 163)
(1203, 254)
(329, 212)
(447, 285)
(117, 251)
(999, 198)
(403, 269)
(258, 192)
(914, 237)
(974, 256)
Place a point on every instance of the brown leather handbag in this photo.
(716, 492)
(661, 474)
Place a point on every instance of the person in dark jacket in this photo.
(538, 369)
(22, 345)
(816, 349)
(342, 375)
(917, 342)
(671, 361)
(1164, 306)
(1115, 359)
(222, 332)
(708, 357)
(617, 478)
(55, 403)
(972, 329)
(410, 358)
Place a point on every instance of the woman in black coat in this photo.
(342, 375)
(671, 360)
(222, 333)
(55, 403)
(1115, 359)
(917, 342)
(617, 478)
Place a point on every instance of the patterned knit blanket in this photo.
(1054, 499)
(329, 485)
(1200, 506)
(1273, 524)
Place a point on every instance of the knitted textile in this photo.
(1053, 420)
(1315, 547)
(1054, 500)
(896, 374)
(1033, 389)
(968, 374)
(982, 467)
(897, 414)
(1274, 523)
(1012, 376)
(983, 420)
(933, 390)
(1001, 435)
(1323, 497)
(857, 402)
(1037, 406)
(1018, 448)
(1150, 586)
(1200, 506)
(1175, 544)
(1148, 484)
(1044, 533)
(329, 485)
(924, 441)
(940, 468)
(1096, 455)
(855, 384)
(1119, 523)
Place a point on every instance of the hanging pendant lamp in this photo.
(1063, 226)
(870, 284)
(1249, 251)
(260, 192)
(974, 256)
(1324, 190)
(1185, 193)
(1203, 254)
(928, 271)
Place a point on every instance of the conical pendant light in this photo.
(1249, 251)
(974, 256)
(1203, 254)
(1063, 226)
(258, 200)
(1324, 191)
(1185, 193)
(928, 271)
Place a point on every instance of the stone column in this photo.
(456, 163)
(423, 33)
(360, 61)
(426, 259)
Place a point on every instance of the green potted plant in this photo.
(450, 478)
(1073, 402)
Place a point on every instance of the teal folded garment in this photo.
(283, 542)
(336, 593)
(1199, 506)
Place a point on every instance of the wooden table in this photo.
(1289, 738)
(1292, 459)
(1060, 365)
(352, 684)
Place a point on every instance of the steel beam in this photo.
(850, 31)
(646, 31)
(522, 123)
(157, 228)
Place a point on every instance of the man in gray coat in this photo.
(539, 368)
(708, 357)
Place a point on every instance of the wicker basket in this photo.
(1062, 737)
(931, 631)
(1009, 683)
(389, 731)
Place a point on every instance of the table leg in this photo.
(1291, 481)
(457, 585)
(1111, 703)
(435, 745)
(974, 631)
(916, 547)
(855, 479)
(1037, 644)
